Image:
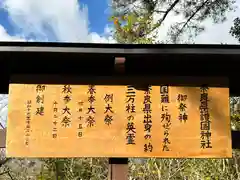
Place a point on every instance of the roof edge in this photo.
(119, 48)
(113, 45)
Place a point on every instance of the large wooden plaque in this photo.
(118, 121)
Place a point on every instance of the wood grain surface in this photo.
(110, 140)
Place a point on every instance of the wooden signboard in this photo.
(118, 121)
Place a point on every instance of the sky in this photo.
(82, 21)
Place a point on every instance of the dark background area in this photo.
(93, 61)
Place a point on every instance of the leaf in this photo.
(111, 18)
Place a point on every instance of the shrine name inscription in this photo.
(118, 121)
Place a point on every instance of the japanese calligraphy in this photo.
(67, 89)
(40, 88)
(147, 113)
(108, 109)
(80, 117)
(40, 99)
(80, 104)
(28, 122)
(130, 110)
(205, 122)
(131, 131)
(66, 112)
(164, 94)
(55, 118)
(83, 120)
(182, 107)
(165, 116)
(90, 120)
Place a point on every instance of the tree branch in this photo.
(190, 18)
(9, 174)
(157, 11)
(5, 172)
(169, 9)
(4, 161)
(1, 125)
(165, 14)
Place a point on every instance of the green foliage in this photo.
(193, 14)
(74, 169)
(191, 169)
(235, 29)
(139, 169)
(132, 28)
(235, 119)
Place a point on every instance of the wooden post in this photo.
(119, 65)
(2, 138)
(118, 169)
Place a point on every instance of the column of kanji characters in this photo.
(40, 99)
(28, 122)
(67, 93)
(108, 109)
(91, 110)
(81, 117)
(205, 123)
(130, 110)
(147, 110)
(55, 116)
(182, 106)
(165, 116)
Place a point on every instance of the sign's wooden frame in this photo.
(139, 60)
